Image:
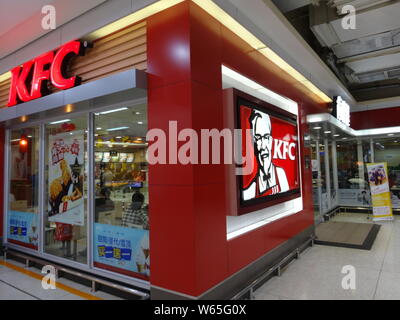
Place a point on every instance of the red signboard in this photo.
(35, 78)
(273, 144)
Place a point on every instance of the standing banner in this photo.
(66, 157)
(380, 191)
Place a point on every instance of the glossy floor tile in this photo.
(321, 270)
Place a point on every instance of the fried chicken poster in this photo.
(66, 166)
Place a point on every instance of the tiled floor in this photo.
(15, 285)
(317, 274)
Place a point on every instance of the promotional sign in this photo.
(32, 79)
(274, 150)
(380, 191)
(355, 197)
(124, 250)
(22, 228)
(66, 158)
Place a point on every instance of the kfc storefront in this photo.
(85, 185)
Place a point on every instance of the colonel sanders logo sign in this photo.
(274, 146)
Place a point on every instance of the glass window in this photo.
(66, 189)
(23, 206)
(121, 236)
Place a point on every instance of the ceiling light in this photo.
(336, 135)
(117, 129)
(60, 121)
(317, 128)
(328, 132)
(114, 110)
(98, 128)
(140, 122)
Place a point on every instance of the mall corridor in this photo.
(317, 275)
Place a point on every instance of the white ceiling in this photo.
(21, 20)
(14, 12)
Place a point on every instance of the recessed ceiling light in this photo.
(138, 113)
(328, 132)
(140, 122)
(336, 135)
(98, 128)
(317, 128)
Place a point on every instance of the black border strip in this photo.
(367, 244)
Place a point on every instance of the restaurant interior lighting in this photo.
(117, 129)
(113, 110)
(60, 121)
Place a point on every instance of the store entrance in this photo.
(78, 190)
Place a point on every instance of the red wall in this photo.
(190, 253)
(371, 119)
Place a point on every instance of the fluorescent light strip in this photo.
(229, 22)
(121, 143)
(117, 129)
(60, 121)
(134, 17)
(259, 90)
(112, 111)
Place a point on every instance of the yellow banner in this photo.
(380, 191)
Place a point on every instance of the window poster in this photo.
(22, 228)
(380, 191)
(98, 156)
(65, 178)
(121, 249)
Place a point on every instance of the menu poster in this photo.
(65, 178)
(106, 157)
(380, 191)
(98, 156)
(130, 157)
(123, 157)
(114, 156)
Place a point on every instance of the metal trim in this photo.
(116, 83)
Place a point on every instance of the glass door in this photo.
(66, 205)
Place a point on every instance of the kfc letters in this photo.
(32, 80)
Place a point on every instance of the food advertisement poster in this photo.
(66, 165)
(380, 191)
(125, 249)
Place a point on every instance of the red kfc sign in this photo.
(35, 78)
(274, 152)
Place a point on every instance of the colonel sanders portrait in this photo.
(270, 179)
